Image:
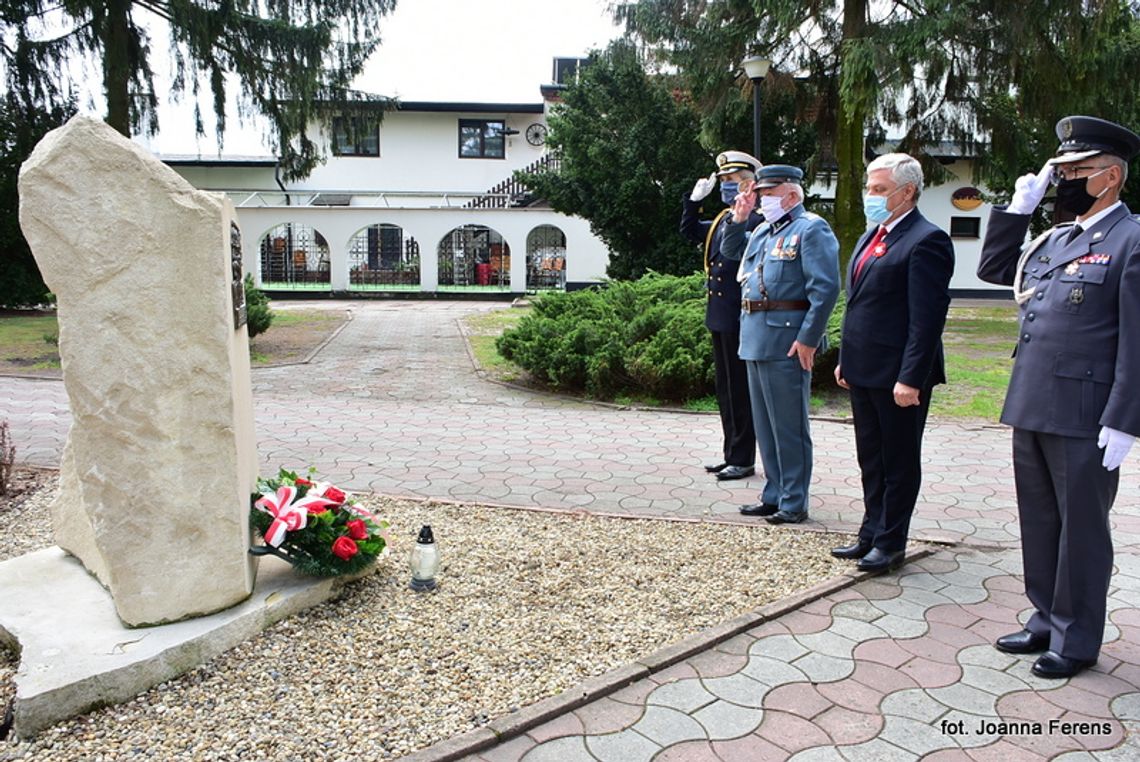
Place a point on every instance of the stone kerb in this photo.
(160, 461)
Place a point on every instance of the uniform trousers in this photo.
(780, 392)
(732, 400)
(888, 444)
(1063, 498)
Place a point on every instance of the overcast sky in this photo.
(497, 51)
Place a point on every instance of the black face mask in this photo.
(1073, 196)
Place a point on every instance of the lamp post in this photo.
(756, 68)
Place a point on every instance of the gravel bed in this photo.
(529, 604)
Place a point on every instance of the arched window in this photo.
(545, 258)
(474, 257)
(382, 258)
(294, 256)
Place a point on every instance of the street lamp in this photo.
(756, 68)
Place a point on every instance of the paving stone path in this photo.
(894, 667)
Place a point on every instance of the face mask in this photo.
(875, 207)
(728, 191)
(772, 208)
(1073, 195)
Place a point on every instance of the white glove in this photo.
(1116, 445)
(703, 187)
(1029, 190)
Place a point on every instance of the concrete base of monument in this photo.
(76, 655)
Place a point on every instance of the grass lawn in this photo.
(978, 341)
(27, 340)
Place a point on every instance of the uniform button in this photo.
(1025, 337)
(1088, 373)
(1032, 269)
(1030, 316)
(787, 324)
(718, 278)
(1040, 295)
(719, 293)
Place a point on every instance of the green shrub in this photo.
(258, 314)
(643, 338)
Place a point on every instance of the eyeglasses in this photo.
(1071, 173)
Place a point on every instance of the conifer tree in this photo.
(293, 60)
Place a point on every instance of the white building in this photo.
(424, 200)
(420, 200)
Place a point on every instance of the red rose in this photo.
(357, 529)
(301, 481)
(344, 548)
(334, 494)
(314, 509)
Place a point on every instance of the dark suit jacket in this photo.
(892, 330)
(723, 311)
(1078, 349)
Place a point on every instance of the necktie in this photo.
(880, 234)
(1075, 231)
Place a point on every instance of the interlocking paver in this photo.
(407, 416)
(684, 695)
(626, 746)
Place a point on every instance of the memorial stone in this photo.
(159, 464)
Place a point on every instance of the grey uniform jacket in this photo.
(1078, 350)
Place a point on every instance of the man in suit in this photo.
(1073, 388)
(890, 358)
(722, 314)
(790, 282)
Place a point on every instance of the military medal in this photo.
(790, 252)
(1076, 295)
(1072, 268)
(778, 251)
(1094, 259)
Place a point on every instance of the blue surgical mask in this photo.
(728, 191)
(875, 207)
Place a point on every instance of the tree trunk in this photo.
(849, 219)
(116, 66)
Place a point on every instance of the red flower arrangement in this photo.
(315, 526)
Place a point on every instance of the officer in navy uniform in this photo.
(790, 282)
(1073, 389)
(722, 315)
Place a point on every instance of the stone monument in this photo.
(158, 468)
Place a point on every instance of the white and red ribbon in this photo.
(288, 516)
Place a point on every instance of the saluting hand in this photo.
(703, 188)
(1028, 191)
(745, 202)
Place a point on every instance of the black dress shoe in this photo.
(735, 472)
(715, 468)
(787, 517)
(859, 549)
(1024, 642)
(878, 560)
(758, 509)
(1054, 666)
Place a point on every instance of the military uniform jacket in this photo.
(1078, 352)
(896, 310)
(798, 259)
(722, 313)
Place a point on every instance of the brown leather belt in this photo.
(767, 305)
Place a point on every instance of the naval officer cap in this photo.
(736, 161)
(778, 174)
(1085, 136)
